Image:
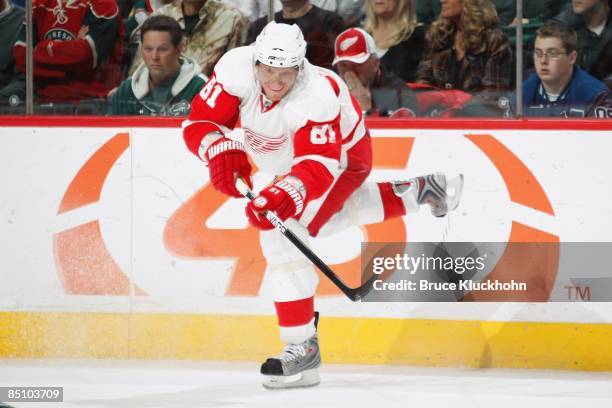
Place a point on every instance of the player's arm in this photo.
(317, 157)
(317, 149)
(213, 111)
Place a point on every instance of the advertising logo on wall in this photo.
(87, 266)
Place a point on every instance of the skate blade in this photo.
(307, 378)
(454, 188)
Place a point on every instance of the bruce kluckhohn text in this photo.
(466, 285)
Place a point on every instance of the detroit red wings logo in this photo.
(262, 144)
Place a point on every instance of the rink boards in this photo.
(115, 246)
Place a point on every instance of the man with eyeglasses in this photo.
(559, 88)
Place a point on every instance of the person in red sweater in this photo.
(77, 49)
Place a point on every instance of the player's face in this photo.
(451, 9)
(580, 6)
(552, 62)
(159, 54)
(276, 82)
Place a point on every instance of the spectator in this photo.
(379, 91)
(542, 10)
(351, 11)
(12, 83)
(535, 13)
(125, 7)
(394, 27)
(251, 9)
(77, 49)
(329, 5)
(593, 24)
(166, 82)
(602, 68)
(466, 50)
(427, 11)
(141, 10)
(506, 11)
(254, 9)
(559, 88)
(603, 107)
(210, 28)
(320, 28)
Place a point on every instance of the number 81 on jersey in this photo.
(322, 134)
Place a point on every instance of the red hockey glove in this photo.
(282, 198)
(227, 160)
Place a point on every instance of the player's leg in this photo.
(375, 202)
(357, 169)
(442, 194)
(294, 279)
(294, 282)
(352, 200)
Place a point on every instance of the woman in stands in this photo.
(466, 49)
(401, 40)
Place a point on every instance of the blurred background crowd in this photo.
(400, 58)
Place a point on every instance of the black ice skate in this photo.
(441, 195)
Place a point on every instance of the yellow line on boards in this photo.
(355, 340)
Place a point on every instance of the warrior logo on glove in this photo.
(282, 198)
(227, 160)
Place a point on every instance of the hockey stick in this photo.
(355, 294)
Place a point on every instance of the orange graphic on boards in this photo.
(536, 265)
(186, 234)
(522, 186)
(85, 265)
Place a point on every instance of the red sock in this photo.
(295, 313)
(392, 204)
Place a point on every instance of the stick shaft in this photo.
(354, 294)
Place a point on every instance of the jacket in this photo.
(577, 100)
(590, 45)
(10, 25)
(403, 58)
(490, 69)
(133, 97)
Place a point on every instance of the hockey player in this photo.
(298, 122)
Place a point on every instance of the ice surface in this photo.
(133, 383)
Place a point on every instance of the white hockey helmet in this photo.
(280, 45)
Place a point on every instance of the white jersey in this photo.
(306, 134)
